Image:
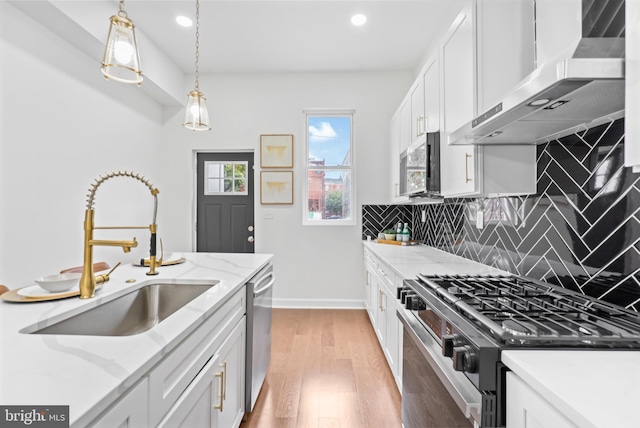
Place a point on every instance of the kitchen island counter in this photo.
(88, 373)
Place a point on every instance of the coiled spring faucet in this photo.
(87, 281)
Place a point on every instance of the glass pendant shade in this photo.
(196, 114)
(121, 61)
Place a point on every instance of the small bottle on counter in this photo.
(406, 234)
(399, 232)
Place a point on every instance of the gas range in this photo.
(518, 312)
(474, 318)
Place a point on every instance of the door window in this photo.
(225, 178)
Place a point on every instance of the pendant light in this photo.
(121, 61)
(196, 115)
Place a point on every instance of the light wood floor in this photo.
(327, 370)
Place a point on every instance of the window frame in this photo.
(206, 177)
(351, 168)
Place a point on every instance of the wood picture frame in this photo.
(276, 151)
(276, 187)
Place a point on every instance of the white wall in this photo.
(62, 124)
(316, 266)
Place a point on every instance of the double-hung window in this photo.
(329, 186)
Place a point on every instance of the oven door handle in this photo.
(466, 396)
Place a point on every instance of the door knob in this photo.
(250, 228)
(250, 239)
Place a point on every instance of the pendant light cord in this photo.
(197, 42)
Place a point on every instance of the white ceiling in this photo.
(293, 35)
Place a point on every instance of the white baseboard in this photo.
(318, 303)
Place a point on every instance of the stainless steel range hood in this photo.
(584, 87)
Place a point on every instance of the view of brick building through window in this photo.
(329, 168)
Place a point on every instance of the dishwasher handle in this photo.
(260, 291)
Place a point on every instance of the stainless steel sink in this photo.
(130, 314)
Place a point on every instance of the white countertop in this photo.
(89, 372)
(410, 260)
(591, 388)
(597, 389)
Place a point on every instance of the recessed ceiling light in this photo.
(358, 19)
(184, 21)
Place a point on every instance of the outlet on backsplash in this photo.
(479, 219)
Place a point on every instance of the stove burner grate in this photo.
(511, 307)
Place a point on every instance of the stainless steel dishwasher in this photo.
(259, 296)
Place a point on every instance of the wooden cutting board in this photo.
(385, 241)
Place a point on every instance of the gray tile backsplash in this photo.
(581, 230)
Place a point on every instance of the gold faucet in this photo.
(88, 280)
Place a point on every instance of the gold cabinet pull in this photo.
(223, 386)
(224, 381)
(466, 167)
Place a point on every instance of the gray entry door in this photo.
(225, 203)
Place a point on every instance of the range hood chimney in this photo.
(583, 86)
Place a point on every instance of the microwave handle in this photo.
(428, 161)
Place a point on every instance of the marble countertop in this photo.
(88, 373)
(410, 260)
(593, 389)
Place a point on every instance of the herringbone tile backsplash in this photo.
(581, 230)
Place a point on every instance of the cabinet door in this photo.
(505, 42)
(394, 159)
(381, 319)
(632, 85)
(528, 409)
(370, 292)
(405, 124)
(130, 411)
(391, 335)
(457, 104)
(431, 87)
(195, 407)
(558, 28)
(417, 110)
(232, 364)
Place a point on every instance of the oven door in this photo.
(433, 393)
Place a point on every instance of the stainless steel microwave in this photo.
(420, 167)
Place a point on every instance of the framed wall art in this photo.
(276, 151)
(276, 187)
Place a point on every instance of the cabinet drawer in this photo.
(169, 379)
(387, 276)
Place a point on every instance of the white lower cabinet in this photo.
(528, 409)
(380, 300)
(129, 411)
(196, 407)
(232, 365)
(199, 383)
(215, 398)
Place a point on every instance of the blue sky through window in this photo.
(330, 139)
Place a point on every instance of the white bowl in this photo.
(59, 282)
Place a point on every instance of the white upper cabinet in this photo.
(457, 104)
(417, 110)
(505, 47)
(394, 156)
(487, 50)
(632, 85)
(431, 79)
(558, 28)
(405, 124)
